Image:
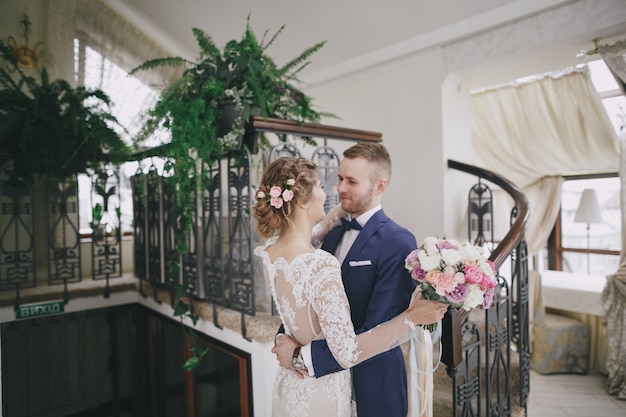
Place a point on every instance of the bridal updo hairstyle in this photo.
(304, 175)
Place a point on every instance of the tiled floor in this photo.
(572, 395)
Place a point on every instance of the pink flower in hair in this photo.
(276, 202)
(287, 195)
(275, 191)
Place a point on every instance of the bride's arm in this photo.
(329, 222)
(330, 303)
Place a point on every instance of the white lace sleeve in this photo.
(330, 303)
(329, 222)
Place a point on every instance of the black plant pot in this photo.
(228, 120)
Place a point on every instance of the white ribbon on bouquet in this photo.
(421, 368)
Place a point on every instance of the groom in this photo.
(371, 253)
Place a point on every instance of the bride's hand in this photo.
(283, 348)
(423, 311)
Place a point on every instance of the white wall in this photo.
(391, 99)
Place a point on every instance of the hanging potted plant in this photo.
(215, 96)
(50, 129)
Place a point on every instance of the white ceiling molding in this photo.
(434, 39)
(555, 26)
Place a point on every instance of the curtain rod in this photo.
(594, 51)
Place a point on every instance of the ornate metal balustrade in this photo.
(40, 237)
(505, 331)
(219, 267)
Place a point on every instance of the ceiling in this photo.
(353, 29)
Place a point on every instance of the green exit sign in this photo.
(36, 310)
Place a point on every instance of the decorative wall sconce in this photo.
(25, 56)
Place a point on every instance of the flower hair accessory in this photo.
(277, 195)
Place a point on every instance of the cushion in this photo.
(560, 345)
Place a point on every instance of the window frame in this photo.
(555, 247)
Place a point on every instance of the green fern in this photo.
(48, 128)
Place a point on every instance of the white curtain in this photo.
(544, 196)
(113, 37)
(614, 294)
(535, 132)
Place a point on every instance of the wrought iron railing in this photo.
(219, 267)
(506, 329)
(41, 239)
(51, 236)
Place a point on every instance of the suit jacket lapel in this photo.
(372, 225)
(332, 239)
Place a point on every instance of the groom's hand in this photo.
(283, 348)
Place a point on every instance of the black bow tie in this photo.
(350, 224)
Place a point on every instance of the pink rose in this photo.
(287, 195)
(418, 274)
(473, 275)
(260, 194)
(276, 202)
(411, 257)
(487, 282)
(275, 192)
(444, 244)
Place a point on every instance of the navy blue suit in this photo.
(377, 293)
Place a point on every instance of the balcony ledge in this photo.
(89, 294)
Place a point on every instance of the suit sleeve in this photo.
(390, 294)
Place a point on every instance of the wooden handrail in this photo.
(516, 232)
(452, 345)
(290, 127)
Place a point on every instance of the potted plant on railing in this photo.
(196, 107)
(240, 80)
(48, 129)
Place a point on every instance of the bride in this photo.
(308, 291)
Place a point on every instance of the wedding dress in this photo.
(312, 304)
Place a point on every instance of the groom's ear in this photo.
(381, 186)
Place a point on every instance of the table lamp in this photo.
(588, 212)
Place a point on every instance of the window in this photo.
(129, 97)
(592, 248)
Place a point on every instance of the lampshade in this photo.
(588, 210)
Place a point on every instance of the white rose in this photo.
(428, 263)
(474, 298)
(430, 245)
(486, 268)
(451, 256)
(470, 251)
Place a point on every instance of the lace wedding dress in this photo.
(312, 304)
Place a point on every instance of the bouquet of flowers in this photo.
(454, 273)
